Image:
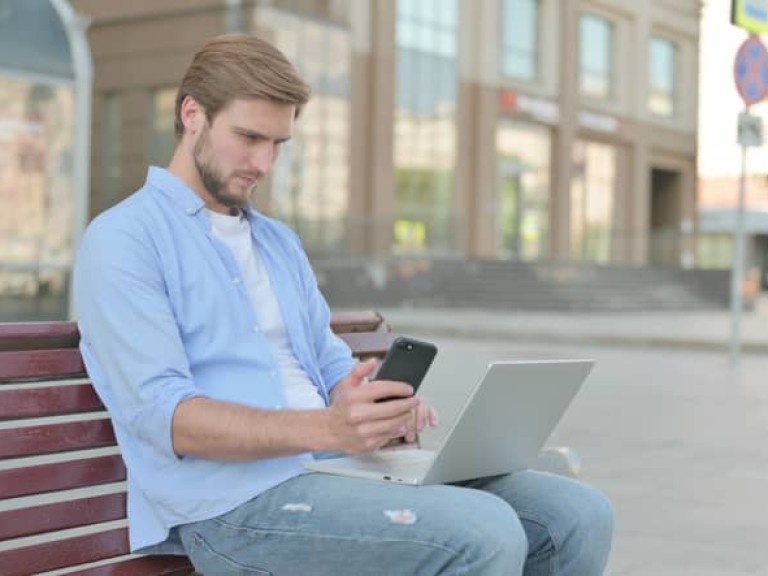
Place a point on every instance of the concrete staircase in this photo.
(490, 284)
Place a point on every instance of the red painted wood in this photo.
(48, 350)
(38, 335)
(28, 365)
(61, 476)
(53, 438)
(148, 565)
(355, 321)
(366, 344)
(63, 553)
(61, 515)
(48, 401)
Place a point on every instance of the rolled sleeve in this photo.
(130, 339)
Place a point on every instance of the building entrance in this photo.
(664, 218)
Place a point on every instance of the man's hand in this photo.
(424, 415)
(359, 424)
(362, 424)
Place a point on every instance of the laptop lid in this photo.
(508, 417)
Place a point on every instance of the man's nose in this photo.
(263, 157)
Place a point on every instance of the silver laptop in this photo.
(501, 428)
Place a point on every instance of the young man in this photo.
(208, 340)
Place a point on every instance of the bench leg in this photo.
(559, 460)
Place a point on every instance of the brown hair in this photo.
(234, 66)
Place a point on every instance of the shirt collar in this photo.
(175, 189)
(184, 197)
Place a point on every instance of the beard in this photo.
(215, 183)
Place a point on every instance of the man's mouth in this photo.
(250, 181)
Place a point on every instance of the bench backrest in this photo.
(62, 480)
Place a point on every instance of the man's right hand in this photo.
(357, 423)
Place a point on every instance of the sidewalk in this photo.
(671, 433)
(707, 330)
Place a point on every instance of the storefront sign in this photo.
(537, 108)
(598, 122)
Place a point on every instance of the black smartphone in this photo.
(407, 360)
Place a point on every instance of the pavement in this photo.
(667, 426)
(694, 330)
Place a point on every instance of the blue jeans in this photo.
(529, 523)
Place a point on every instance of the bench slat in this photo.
(49, 351)
(61, 515)
(38, 335)
(63, 553)
(37, 364)
(46, 335)
(154, 565)
(61, 476)
(367, 344)
(53, 438)
(356, 321)
(48, 401)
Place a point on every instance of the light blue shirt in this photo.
(164, 316)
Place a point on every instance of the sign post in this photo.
(750, 71)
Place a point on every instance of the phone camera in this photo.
(409, 346)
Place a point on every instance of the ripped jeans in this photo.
(529, 523)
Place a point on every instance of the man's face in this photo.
(238, 149)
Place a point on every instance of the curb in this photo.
(652, 342)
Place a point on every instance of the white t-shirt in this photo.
(235, 233)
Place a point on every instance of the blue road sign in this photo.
(750, 70)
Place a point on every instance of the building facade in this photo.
(560, 130)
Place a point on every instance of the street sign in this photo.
(750, 130)
(750, 70)
(751, 15)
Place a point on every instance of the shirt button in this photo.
(190, 211)
(236, 281)
(256, 329)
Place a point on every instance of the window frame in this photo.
(535, 51)
(611, 93)
(674, 95)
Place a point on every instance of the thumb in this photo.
(363, 370)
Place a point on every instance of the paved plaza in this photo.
(673, 433)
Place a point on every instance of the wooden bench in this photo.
(62, 480)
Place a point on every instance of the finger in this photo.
(422, 417)
(379, 389)
(380, 432)
(433, 418)
(401, 408)
(363, 370)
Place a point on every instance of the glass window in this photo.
(522, 203)
(592, 192)
(310, 185)
(662, 75)
(162, 135)
(425, 125)
(36, 164)
(328, 10)
(519, 56)
(596, 49)
(111, 172)
(714, 251)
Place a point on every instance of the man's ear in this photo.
(192, 115)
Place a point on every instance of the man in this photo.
(208, 340)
